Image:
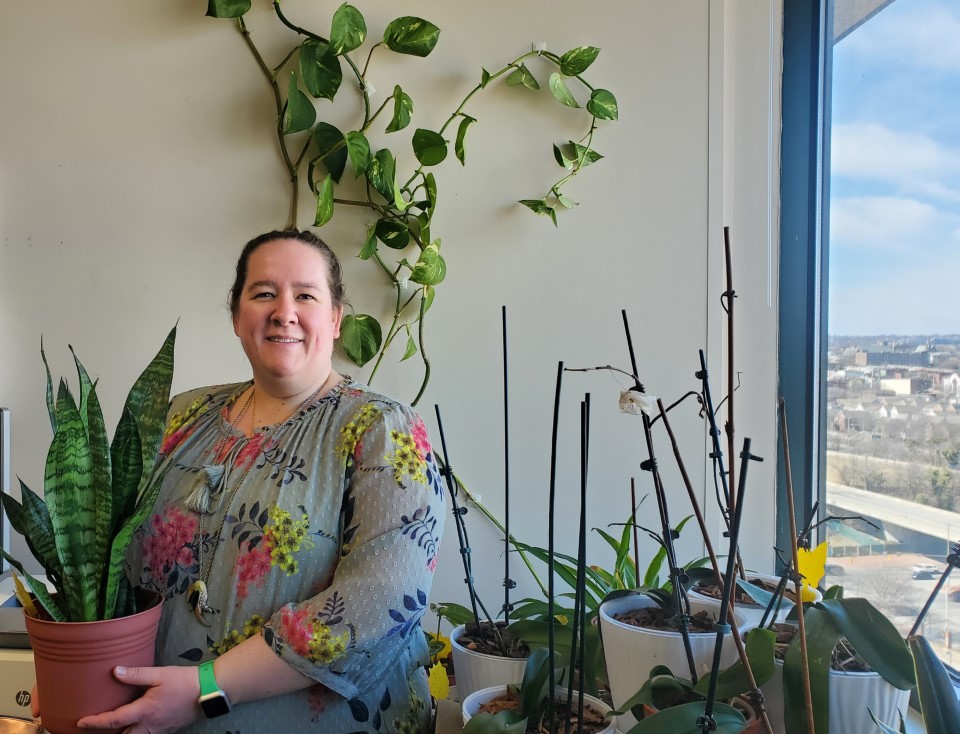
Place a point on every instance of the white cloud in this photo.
(872, 151)
(888, 223)
(913, 33)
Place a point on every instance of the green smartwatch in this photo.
(213, 701)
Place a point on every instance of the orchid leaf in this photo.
(502, 722)
(683, 719)
(938, 696)
(455, 614)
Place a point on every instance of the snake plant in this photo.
(95, 493)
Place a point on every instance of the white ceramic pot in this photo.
(475, 670)
(472, 703)
(752, 613)
(851, 694)
(631, 652)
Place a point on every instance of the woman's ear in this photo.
(337, 318)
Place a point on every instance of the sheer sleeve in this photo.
(391, 519)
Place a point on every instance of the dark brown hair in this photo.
(334, 272)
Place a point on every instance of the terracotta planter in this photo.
(74, 662)
(631, 652)
(751, 612)
(471, 704)
(851, 694)
(477, 670)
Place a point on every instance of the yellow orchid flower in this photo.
(811, 565)
(439, 682)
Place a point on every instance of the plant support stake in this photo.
(551, 508)
(508, 583)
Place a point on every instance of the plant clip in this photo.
(721, 627)
(510, 584)
(682, 576)
(756, 698)
(506, 608)
(468, 580)
(648, 464)
(461, 510)
(465, 550)
(445, 471)
(706, 723)
(700, 374)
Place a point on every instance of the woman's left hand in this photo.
(168, 704)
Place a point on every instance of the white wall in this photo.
(136, 158)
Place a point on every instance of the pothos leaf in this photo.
(393, 233)
(522, 76)
(402, 109)
(411, 35)
(227, 8)
(411, 347)
(348, 30)
(484, 77)
(539, 206)
(430, 268)
(560, 90)
(319, 69)
(382, 173)
(324, 202)
(358, 149)
(300, 113)
(578, 60)
(429, 147)
(370, 246)
(603, 105)
(461, 135)
(331, 147)
(360, 338)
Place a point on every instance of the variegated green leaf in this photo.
(603, 105)
(320, 69)
(358, 149)
(522, 76)
(578, 60)
(324, 202)
(411, 35)
(360, 338)
(402, 110)
(227, 8)
(32, 520)
(300, 113)
(126, 458)
(103, 497)
(461, 136)
(347, 30)
(382, 173)
(560, 90)
(430, 268)
(85, 386)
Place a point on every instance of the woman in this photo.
(295, 534)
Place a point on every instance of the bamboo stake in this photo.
(807, 694)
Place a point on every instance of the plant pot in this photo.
(74, 663)
(632, 652)
(752, 613)
(851, 694)
(472, 703)
(477, 670)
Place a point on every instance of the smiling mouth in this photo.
(283, 340)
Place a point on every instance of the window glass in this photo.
(892, 425)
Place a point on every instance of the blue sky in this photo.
(895, 179)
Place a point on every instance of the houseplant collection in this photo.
(97, 491)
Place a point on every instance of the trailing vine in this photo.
(316, 151)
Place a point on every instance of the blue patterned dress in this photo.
(324, 542)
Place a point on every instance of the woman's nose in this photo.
(285, 311)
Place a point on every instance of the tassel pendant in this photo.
(197, 599)
(207, 489)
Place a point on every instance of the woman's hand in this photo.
(169, 703)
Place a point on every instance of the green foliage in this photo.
(872, 635)
(402, 200)
(96, 493)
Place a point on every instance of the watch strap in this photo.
(208, 682)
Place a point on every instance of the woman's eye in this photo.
(306, 296)
(262, 294)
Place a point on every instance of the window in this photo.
(870, 247)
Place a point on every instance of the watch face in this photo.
(215, 704)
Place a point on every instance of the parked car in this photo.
(922, 574)
(834, 569)
(953, 594)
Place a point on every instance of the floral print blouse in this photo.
(324, 541)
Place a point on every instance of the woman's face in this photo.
(285, 318)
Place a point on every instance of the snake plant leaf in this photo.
(358, 148)
(458, 146)
(324, 202)
(320, 69)
(683, 719)
(360, 338)
(382, 173)
(126, 457)
(402, 110)
(86, 385)
(578, 60)
(149, 400)
(347, 30)
(521, 76)
(411, 35)
(40, 591)
(430, 268)
(331, 147)
(560, 90)
(393, 233)
(32, 520)
(51, 404)
(429, 147)
(227, 8)
(938, 697)
(299, 113)
(103, 497)
(874, 638)
(733, 681)
(603, 105)
(69, 494)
